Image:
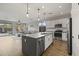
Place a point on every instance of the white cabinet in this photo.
(75, 29)
(64, 36)
(48, 40)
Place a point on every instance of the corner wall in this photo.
(75, 29)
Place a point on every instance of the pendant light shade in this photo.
(27, 13)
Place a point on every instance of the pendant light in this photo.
(27, 14)
(38, 14)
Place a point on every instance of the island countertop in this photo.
(38, 35)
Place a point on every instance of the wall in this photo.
(33, 26)
(49, 24)
(64, 22)
(75, 29)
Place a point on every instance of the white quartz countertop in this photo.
(35, 35)
(38, 35)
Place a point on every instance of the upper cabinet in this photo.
(58, 25)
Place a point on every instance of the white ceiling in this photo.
(17, 11)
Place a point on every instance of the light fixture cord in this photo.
(38, 12)
(44, 15)
(27, 8)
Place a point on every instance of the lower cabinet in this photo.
(48, 40)
(64, 36)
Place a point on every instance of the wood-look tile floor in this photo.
(58, 48)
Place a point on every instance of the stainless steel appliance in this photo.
(42, 28)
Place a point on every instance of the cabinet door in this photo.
(64, 36)
(48, 41)
(40, 46)
(24, 44)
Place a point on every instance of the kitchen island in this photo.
(35, 44)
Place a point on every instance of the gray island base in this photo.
(35, 44)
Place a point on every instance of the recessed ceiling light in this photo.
(38, 19)
(60, 6)
(43, 7)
